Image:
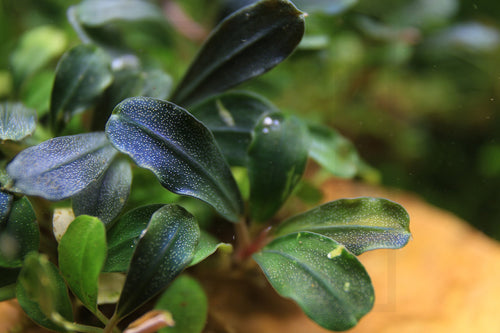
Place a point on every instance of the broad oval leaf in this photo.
(325, 6)
(41, 292)
(123, 237)
(179, 149)
(234, 51)
(186, 300)
(329, 283)
(106, 197)
(359, 224)
(82, 253)
(19, 234)
(207, 246)
(277, 158)
(61, 167)
(163, 251)
(231, 117)
(82, 75)
(16, 121)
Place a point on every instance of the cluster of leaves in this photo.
(191, 139)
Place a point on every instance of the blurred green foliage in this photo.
(414, 83)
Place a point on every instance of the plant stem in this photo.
(111, 325)
(243, 239)
(74, 327)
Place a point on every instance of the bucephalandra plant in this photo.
(110, 118)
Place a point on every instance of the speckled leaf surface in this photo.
(41, 291)
(5, 205)
(82, 252)
(234, 51)
(325, 6)
(16, 121)
(206, 247)
(186, 300)
(329, 283)
(106, 197)
(277, 158)
(82, 75)
(178, 148)
(163, 251)
(123, 236)
(359, 224)
(232, 117)
(19, 234)
(61, 167)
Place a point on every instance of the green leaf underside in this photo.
(19, 234)
(277, 158)
(206, 247)
(124, 235)
(326, 6)
(164, 250)
(61, 167)
(360, 224)
(16, 121)
(232, 117)
(41, 291)
(82, 252)
(82, 75)
(179, 149)
(329, 283)
(234, 51)
(106, 197)
(187, 302)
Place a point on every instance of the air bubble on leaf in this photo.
(347, 286)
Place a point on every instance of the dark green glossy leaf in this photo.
(186, 300)
(5, 205)
(61, 167)
(19, 234)
(163, 251)
(232, 117)
(106, 197)
(329, 283)
(244, 45)
(82, 252)
(82, 75)
(206, 247)
(8, 279)
(277, 159)
(16, 121)
(325, 6)
(359, 224)
(179, 149)
(41, 292)
(124, 235)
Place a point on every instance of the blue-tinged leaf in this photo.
(106, 197)
(163, 251)
(329, 283)
(123, 236)
(61, 167)
(232, 117)
(325, 6)
(246, 44)
(180, 150)
(359, 224)
(19, 234)
(16, 121)
(5, 205)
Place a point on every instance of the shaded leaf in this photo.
(206, 247)
(61, 167)
(186, 300)
(8, 279)
(277, 159)
(16, 121)
(82, 252)
(359, 224)
(329, 283)
(82, 75)
(324, 6)
(19, 234)
(163, 251)
(106, 197)
(179, 149)
(231, 117)
(41, 292)
(5, 205)
(123, 236)
(234, 51)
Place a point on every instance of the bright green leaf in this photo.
(325, 6)
(329, 283)
(359, 224)
(82, 252)
(186, 300)
(206, 247)
(163, 251)
(16, 121)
